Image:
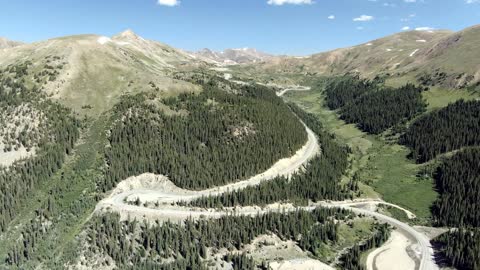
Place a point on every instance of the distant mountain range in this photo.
(6, 43)
(430, 57)
(433, 57)
(233, 56)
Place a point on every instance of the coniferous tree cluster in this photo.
(445, 130)
(380, 110)
(457, 180)
(352, 259)
(373, 107)
(202, 140)
(25, 249)
(461, 247)
(241, 262)
(320, 180)
(188, 243)
(20, 178)
(340, 91)
(237, 261)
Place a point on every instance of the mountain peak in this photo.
(128, 34)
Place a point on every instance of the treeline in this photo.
(19, 179)
(445, 130)
(201, 140)
(319, 181)
(462, 248)
(457, 180)
(190, 243)
(352, 259)
(370, 105)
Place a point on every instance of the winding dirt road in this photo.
(158, 190)
(163, 191)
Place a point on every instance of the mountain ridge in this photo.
(114, 64)
(432, 57)
(94, 70)
(6, 43)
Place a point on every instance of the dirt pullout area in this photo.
(149, 181)
(371, 205)
(392, 255)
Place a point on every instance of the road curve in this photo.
(293, 88)
(176, 213)
(427, 261)
(167, 194)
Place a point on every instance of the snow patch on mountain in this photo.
(103, 40)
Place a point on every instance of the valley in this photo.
(119, 152)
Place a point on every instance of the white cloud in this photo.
(293, 2)
(410, 1)
(363, 18)
(170, 3)
(360, 28)
(472, 1)
(331, 17)
(425, 28)
(389, 5)
(405, 28)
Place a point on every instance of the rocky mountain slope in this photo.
(452, 60)
(434, 57)
(89, 72)
(383, 54)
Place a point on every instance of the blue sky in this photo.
(296, 27)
